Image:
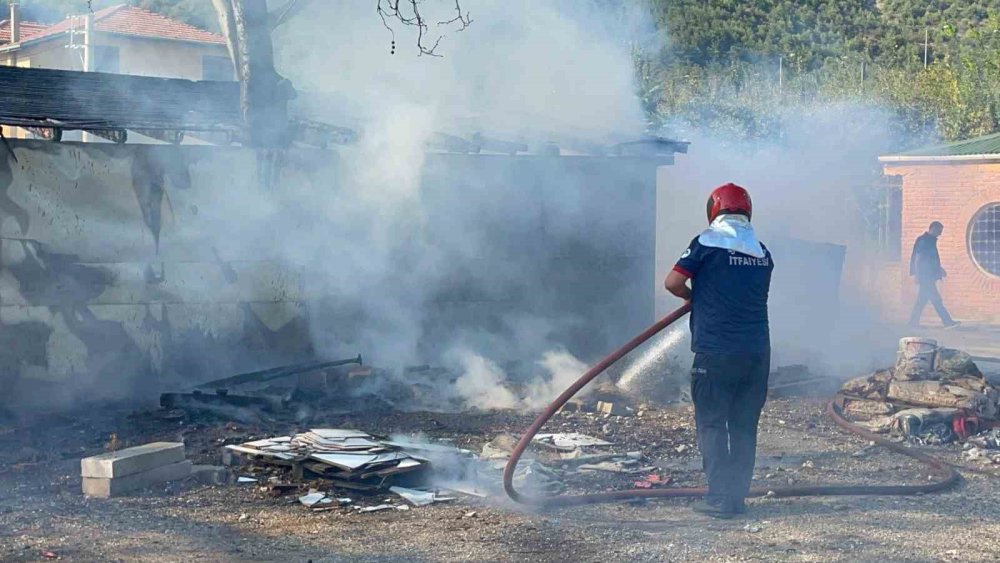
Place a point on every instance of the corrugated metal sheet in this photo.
(91, 100)
(987, 144)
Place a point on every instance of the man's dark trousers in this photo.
(729, 391)
(927, 291)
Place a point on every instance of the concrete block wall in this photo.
(950, 192)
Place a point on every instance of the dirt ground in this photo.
(42, 509)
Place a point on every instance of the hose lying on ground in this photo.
(946, 475)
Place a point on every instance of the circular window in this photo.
(984, 238)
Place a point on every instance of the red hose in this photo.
(948, 477)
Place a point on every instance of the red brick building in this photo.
(957, 184)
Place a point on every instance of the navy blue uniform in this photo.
(731, 341)
(728, 298)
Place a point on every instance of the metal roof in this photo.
(35, 97)
(986, 147)
(58, 100)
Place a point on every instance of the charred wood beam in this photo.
(451, 143)
(322, 135)
(279, 372)
(38, 97)
(651, 146)
(496, 145)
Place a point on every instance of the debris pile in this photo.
(931, 396)
(605, 399)
(570, 459)
(350, 459)
(257, 394)
(327, 462)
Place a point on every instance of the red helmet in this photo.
(729, 198)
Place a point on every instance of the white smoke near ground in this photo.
(524, 71)
(531, 72)
(537, 71)
(816, 183)
(485, 385)
(562, 370)
(482, 384)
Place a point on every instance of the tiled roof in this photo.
(129, 20)
(28, 30)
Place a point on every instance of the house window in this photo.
(216, 68)
(106, 59)
(984, 238)
(886, 223)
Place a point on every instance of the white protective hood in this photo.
(732, 232)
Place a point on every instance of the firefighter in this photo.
(730, 273)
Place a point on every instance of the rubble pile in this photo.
(326, 462)
(931, 396)
(566, 460)
(346, 458)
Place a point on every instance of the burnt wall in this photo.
(109, 287)
(129, 269)
(568, 241)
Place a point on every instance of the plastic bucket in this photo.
(916, 355)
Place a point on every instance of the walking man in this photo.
(730, 273)
(925, 266)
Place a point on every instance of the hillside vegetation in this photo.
(719, 64)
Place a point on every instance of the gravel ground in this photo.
(41, 508)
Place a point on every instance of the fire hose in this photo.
(947, 477)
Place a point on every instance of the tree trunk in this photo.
(264, 94)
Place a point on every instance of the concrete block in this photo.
(131, 460)
(232, 459)
(104, 488)
(613, 409)
(210, 474)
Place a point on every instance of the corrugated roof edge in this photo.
(986, 147)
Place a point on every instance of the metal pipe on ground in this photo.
(279, 372)
(947, 477)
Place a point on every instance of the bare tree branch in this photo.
(464, 19)
(409, 15)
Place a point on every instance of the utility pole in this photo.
(862, 76)
(926, 38)
(88, 61)
(15, 30)
(88, 43)
(781, 72)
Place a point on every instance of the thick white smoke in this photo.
(482, 383)
(524, 71)
(817, 182)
